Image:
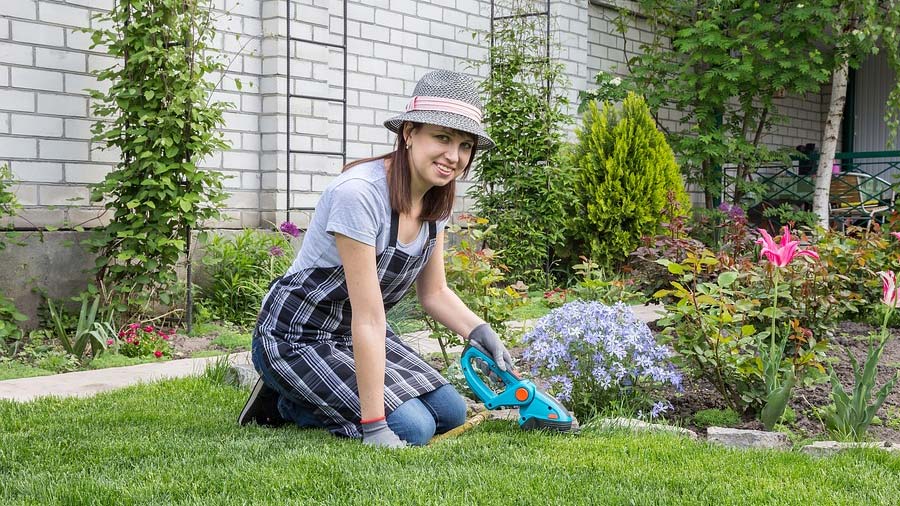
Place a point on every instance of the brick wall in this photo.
(45, 111)
(45, 117)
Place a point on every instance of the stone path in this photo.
(87, 383)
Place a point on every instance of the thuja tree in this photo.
(522, 185)
(162, 121)
(722, 65)
(625, 173)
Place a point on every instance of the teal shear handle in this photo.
(537, 410)
(510, 397)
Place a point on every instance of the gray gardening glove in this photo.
(488, 342)
(379, 434)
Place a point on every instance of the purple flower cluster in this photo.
(732, 211)
(593, 351)
(290, 229)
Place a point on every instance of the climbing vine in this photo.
(161, 119)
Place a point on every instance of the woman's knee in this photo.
(447, 407)
(412, 422)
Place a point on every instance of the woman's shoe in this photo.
(262, 407)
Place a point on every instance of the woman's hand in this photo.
(488, 342)
(378, 433)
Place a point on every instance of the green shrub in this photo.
(159, 113)
(716, 418)
(473, 273)
(522, 184)
(624, 171)
(240, 270)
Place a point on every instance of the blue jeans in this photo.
(415, 421)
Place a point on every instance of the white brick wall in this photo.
(45, 65)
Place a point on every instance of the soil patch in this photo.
(184, 346)
(699, 394)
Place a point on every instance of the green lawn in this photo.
(176, 442)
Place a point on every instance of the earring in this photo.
(408, 145)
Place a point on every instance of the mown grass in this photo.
(13, 370)
(176, 442)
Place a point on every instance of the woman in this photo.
(378, 228)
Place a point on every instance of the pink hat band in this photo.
(423, 103)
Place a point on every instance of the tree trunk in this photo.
(829, 142)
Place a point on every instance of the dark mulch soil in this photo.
(700, 394)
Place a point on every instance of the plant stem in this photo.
(771, 382)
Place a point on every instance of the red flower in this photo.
(129, 340)
(121, 333)
(157, 353)
(165, 337)
(148, 328)
(109, 342)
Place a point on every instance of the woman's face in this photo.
(437, 155)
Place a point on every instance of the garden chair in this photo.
(859, 197)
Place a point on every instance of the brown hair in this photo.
(437, 204)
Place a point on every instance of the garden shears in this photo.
(537, 410)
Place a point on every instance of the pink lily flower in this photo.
(896, 234)
(890, 293)
(782, 254)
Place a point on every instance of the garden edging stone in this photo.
(827, 448)
(241, 375)
(742, 438)
(642, 426)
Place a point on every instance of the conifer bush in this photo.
(624, 171)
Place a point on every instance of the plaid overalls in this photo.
(304, 330)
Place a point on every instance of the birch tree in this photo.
(861, 28)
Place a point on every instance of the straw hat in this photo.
(447, 99)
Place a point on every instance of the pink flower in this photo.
(276, 251)
(129, 340)
(121, 333)
(165, 337)
(134, 326)
(109, 342)
(782, 254)
(890, 293)
(148, 328)
(896, 234)
(157, 353)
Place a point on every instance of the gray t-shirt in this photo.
(356, 205)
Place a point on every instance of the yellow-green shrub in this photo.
(625, 169)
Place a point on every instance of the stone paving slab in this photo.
(87, 383)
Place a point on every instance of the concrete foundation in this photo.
(56, 265)
(52, 264)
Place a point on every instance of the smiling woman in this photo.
(325, 354)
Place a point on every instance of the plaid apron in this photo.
(304, 330)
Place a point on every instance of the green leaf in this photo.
(727, 278)
(675, 268)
